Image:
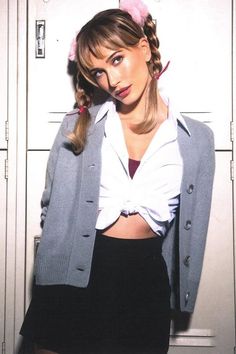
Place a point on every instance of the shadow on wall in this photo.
(180, 321)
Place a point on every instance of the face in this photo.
(123, 73)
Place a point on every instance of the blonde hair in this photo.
(112, 29)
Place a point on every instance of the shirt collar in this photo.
(109, 106)
(173, 112)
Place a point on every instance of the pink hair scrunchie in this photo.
(72, 52)
(137, 9)
(82, 109)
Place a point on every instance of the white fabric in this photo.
(154, 190)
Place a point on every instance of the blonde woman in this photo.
(126, 203)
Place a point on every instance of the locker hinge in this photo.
(6, 169)
(6, 130)
(3, 348)
(232, 131)
(232, 170)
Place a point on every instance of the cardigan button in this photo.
(188, 225)
(187, 297)
(186, 261)
(190, 189)
(80, 269)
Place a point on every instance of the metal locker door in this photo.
(3, 192)
(3, 157)
(196, 36)
(3, 69)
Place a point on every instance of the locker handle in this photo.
(40, 38)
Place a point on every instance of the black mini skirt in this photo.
(124, 309)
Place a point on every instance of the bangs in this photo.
(92, 44)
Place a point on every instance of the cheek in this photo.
(102, 83)
(138, 68)
(130, 68)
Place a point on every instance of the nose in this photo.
(113, 77)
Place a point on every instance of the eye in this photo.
(117, 60)
(97, 74)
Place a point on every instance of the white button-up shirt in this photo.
(154, 190)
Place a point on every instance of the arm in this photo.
(51, 164)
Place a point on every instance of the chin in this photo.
(131, 100)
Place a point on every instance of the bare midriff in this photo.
(131, 227)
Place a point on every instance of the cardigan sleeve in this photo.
(60, 139)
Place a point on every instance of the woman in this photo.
(126, 181)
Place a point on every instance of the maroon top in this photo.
(133, 165)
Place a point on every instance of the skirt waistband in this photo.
(156, 239)
(122, 247)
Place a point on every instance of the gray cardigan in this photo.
(70, 205)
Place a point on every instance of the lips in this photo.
(122, 93)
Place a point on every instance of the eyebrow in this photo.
(112, 55)
(107, 60)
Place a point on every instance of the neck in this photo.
(135, 111)
(135, 115)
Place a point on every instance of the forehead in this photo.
(102, 55)
(105, 54)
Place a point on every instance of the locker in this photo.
(197, 39)
(3, 192)
(3, 70)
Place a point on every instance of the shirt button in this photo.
(190, 189)
(186, 261)
(188, 225)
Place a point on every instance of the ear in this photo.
(145, 47)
